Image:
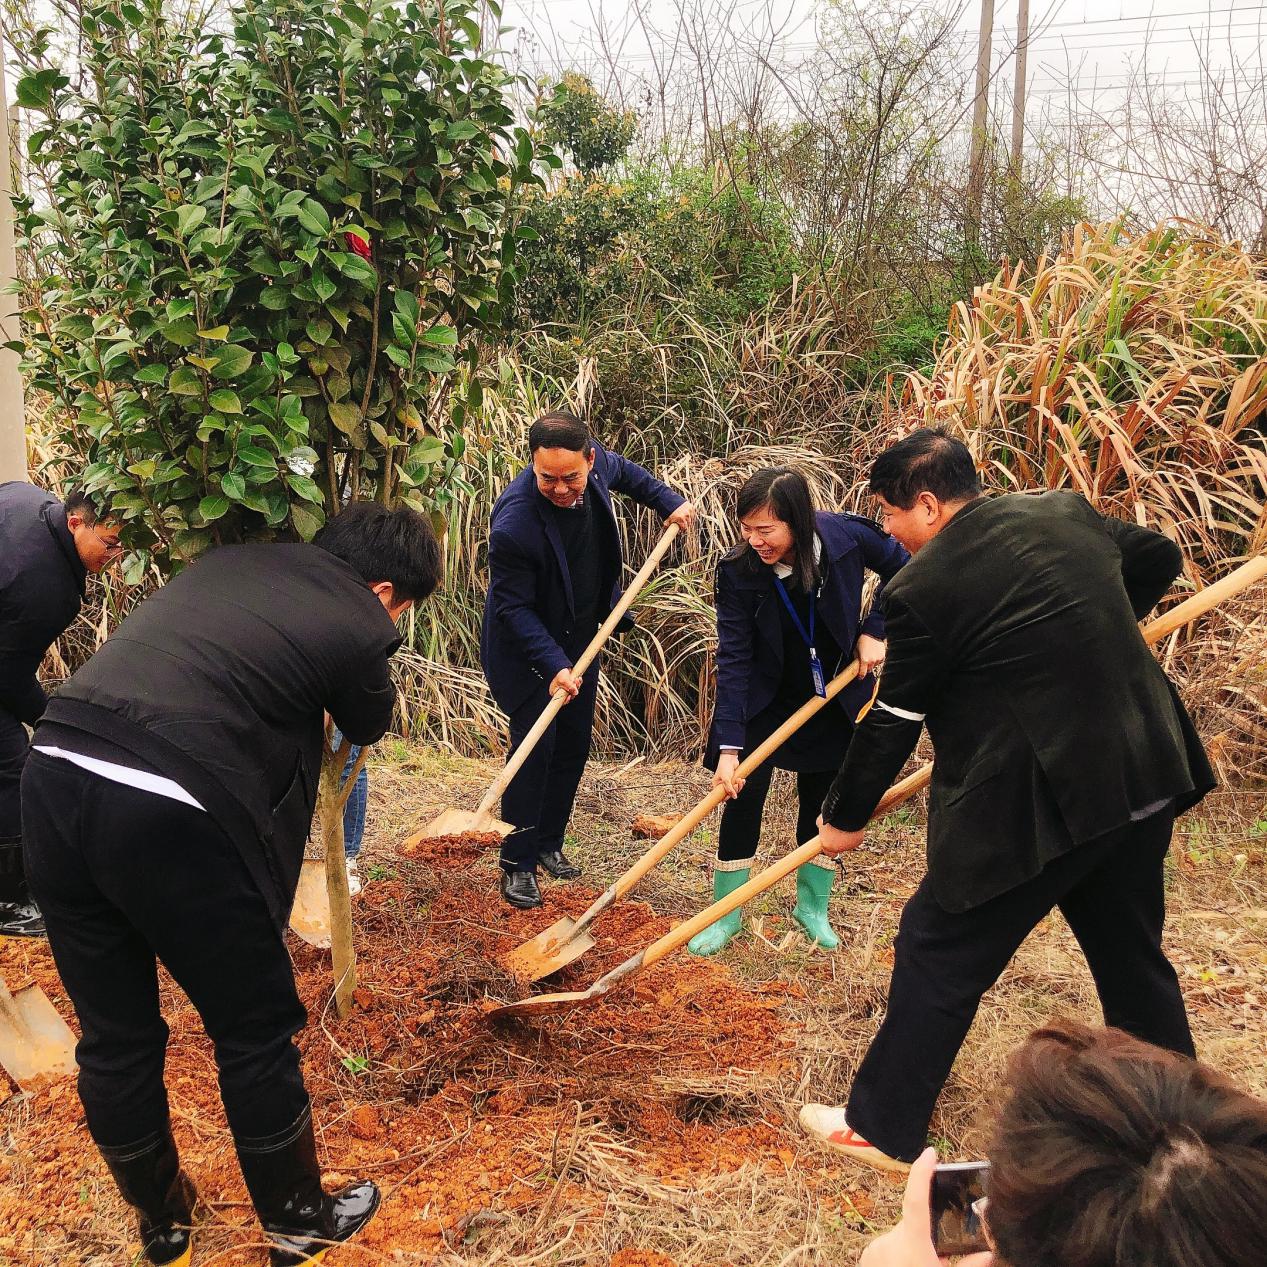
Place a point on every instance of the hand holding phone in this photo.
(956, 1199)
(910, 1243)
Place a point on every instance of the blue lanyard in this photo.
(796, 620)
(815, 664)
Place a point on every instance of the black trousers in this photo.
(13, 749)
(740, 829)
(539, 799)
(125, 878)
(1111, 893)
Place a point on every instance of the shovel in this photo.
(566, 940)
(34, 1040)
(542, 1004)
(456, 822)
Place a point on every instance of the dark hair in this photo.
(786, 493)
(559, 430)
(1111, 1153)
(929, 460)
(386, 545)
(79, 503)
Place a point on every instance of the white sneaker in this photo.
(826, 1123)
(354, 878)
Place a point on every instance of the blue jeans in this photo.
(354, 806)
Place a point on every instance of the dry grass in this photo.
(1132, 366)
(595, 1189)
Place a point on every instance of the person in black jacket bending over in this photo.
(1062, 754)
(166, 803)
(789, 618)
(47, 548)
(553, 577)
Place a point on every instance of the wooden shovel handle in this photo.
(586, 658)
(692, 819)
(1181, 614)
(1243, 577)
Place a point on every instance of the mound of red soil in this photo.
(458, 1118)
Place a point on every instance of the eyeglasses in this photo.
(114, 546)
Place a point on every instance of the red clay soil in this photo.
(458, 1118)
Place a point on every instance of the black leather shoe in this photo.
(300, 1218)
(519, 888)
(21, 919)
(152, 1182)
(556, 863)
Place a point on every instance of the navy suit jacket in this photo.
(529, 609)
(750, 632)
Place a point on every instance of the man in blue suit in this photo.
(554, 567)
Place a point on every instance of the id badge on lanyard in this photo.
(815, 664)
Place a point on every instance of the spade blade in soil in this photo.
(543, 1004)
(34, 1040)
(460, 822)
(550, 950)
(310, 916)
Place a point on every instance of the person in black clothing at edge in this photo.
(167, 799)
(1062, 755)
(554, 567)
(47, 548)
(789, 618)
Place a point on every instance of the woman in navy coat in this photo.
(789, 619)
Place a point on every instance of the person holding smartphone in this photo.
(789, 618)
(1107, 1152)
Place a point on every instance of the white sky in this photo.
(1091, 46)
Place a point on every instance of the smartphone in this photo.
(957, 1198)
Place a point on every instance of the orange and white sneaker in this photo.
(826, 1123)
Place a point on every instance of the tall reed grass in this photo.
(1130, 366)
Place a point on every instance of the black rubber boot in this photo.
(150, 1178)
(19, 916)
(557, 863)
(520, 889)
(300, 1218)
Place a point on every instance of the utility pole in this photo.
(12, 403)
(980, 119)
(1018, 92)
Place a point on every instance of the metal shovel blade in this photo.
(459, 822)
(551, 949)
(34, 1040)
(544, 1004)
(310, 915)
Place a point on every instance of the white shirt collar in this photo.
(784, 570)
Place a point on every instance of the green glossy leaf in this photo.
(255, 456)
(212, 508)
(185, 382)
(217, 334)
(314, 217)
(234, 485)
(345, 416)
(307, 520)
(234, 361)
(440, 336)
(188, 217)
(222, 400)
(305, 487)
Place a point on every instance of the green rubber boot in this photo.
(813, 888)
(715, 936)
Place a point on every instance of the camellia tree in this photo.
(258, 257)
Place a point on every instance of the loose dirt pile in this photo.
(458, 1118)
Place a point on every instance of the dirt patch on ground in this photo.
(460, 1119)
